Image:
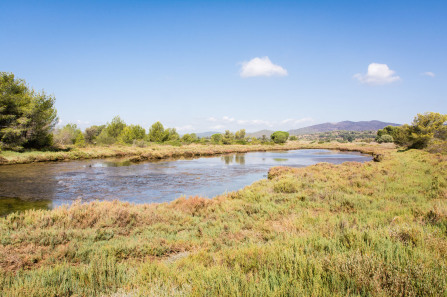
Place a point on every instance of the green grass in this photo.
(372, 229)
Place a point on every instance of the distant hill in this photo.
(344, 126)
(207, 134)
(259, 134)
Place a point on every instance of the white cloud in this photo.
(428, 73)
(211, 119)
(378, 74)
(261, 67)
(228, 119)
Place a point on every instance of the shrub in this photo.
(293, 138)
(189, 138)
(385, 139)
(286, 185)
(279, 136)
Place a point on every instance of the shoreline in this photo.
(371, 222)
(159, 152)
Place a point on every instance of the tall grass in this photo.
(371, 229)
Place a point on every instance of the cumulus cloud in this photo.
(228, 119)
(378, 74)
(261, 67)
(428, 73)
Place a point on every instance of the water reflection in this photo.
(280, 159)
(234, 159)
(9, 205)
(58, 183)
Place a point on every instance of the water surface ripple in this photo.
(46, 185)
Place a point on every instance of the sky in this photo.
(216, 65)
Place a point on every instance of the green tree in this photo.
(385, 138)
(171, 134)
(157, 133)
(115, 127)
(104, 138)
(228, 137)
(132, 133)
(279, 136)
(293, 137)
(216, 138)
(80, 140)
(26, 117)
(91, 133)
(189, 138)
(240, 134)
(425, 127)
(66, 135)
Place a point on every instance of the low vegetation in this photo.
(368, 229)
(163, 151)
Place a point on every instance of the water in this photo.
(47, 185)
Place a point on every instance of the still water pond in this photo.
(47, 185)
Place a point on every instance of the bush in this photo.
(286, 185)
(385, 139)
(279, 136)
(293, 138)
(189, 138)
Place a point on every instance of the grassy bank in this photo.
(372, 229)
(167, 151)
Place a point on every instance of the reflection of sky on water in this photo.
(160, 181)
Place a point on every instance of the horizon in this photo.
(201, 67)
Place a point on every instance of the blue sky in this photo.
(215, 65)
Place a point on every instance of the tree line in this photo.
(118, 132)
(28, 119)
(427, 129)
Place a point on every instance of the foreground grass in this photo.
(158, 151)
(372, 229)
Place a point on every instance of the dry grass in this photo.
(155, 152)
(355, 229)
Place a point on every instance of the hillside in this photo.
(345, 126)
(259, 134)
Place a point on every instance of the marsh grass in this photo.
(158, 151)
(355, 229)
